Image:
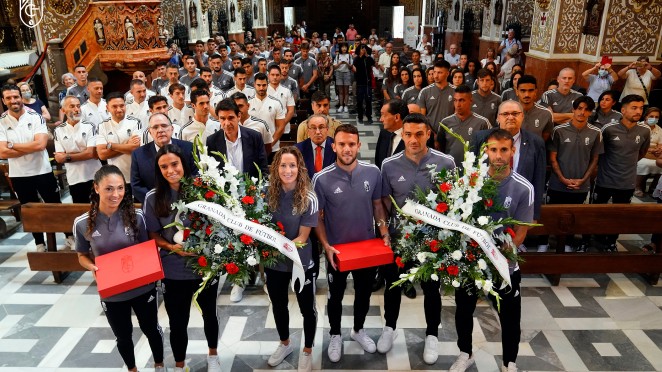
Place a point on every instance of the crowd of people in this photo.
(239, 99)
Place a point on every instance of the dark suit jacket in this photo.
(306, 148)
(531, 165)
(143, 166)
(383, 145)
(252, 148)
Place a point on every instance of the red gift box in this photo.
(359, 255)
(128, 268)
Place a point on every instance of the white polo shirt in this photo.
(285, 97)
(93, 113)
(112, 132)
(166, 93)
(261, 127)
(180, 117)
(269, 109)
(73, 139)
(24, 130)
(194, 128)
(139, 111)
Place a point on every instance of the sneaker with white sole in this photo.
(462, 362)
(282, 351)
(41, 248)
(305, 362)
(182, 369)
(160, 369)
(237, 293)
(344, 109)
(70, 243)
(385, 342)
(511, 367)
(335, 348)
(568, 249)
(431, 350)
(213, 363)
(543, 248)
(364, 340)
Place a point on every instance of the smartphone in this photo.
(606, 60)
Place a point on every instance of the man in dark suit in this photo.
(316, 149)
(143, 159)
(530, 158)
(390, 138)
(243, 147)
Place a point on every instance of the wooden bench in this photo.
(560, 220)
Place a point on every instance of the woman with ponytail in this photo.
(180, 281)
(112, 224)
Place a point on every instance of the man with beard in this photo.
(537, 119)
(269, 109)
(221, 78)
(94, 110)
(23, 140)
(354, 183)
(137, 106)
(250, 54)
(192, 72)
(485, 101)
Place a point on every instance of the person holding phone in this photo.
(600, 78)
(639, 78)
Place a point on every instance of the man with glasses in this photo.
(385, 58)
(143, 158)
(321, 105)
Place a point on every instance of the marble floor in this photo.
(610, 322)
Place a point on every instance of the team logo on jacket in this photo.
(471, 130)
(450, 98)
(587, 141)
(366, 186)
(637, 139)
(537, 123)
(128, 132)
(492, 105)
(84, 134)
(507, 202)
(30, 127)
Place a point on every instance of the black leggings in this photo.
(145, 307)
(278, 286)
(177, 295)
(29, 189)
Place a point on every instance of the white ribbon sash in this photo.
(262, 233)
(483, 239)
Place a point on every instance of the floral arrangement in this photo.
(452, 257)
(217, 249)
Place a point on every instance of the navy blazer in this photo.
(383, 144)
(143, 166)
(252, 148)
(306, 148)
(532, 161)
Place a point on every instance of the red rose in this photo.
(510, 232)
(442, 207)
(470, 257)
(442, 267)
(434, 245)
(445, 187)
(230, 246)
(208, 230)
(202, 261)
(280, 225)
(186, 233)
(197, 182)
(473, 243)
(453, 270)
(398, 261)
(209, 194)
(248, 199)
(488, 203)
(407, 236)
(265, 254)
(231, 268)
(246, 239)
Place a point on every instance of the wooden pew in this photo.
(560, 220)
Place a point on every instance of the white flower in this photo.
(457, 255)
(482, 264)
(432, 198)
(207, 162)
(421, 256)
(251, 261)
(487, 286)
(218, 249)
(483, 220)
(230, 169)
(478, 283)
(434, 277)
(404, 276)
(455, 283)
(413, 270)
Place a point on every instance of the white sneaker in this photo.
(282, 351)
(213, 363)
(511, 367)
(542, 248)
(182, 369)
(462, 362)
(431, 352)
(160, 369)
(70, 243)
(344, 109)
(568, 249)
(364, 340)
(335, 348)
(385, 342)
(41, 248)
(305, 362)
(237, 293)
(339, 110)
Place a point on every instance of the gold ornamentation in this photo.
(62, 7)
(629, 31)
(543, 4)
(569, 31)
(541, 32)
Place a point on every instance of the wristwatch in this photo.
(10, 145)
(109, 146)
(68, 158)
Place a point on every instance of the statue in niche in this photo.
(193, 14)
(98, 30)
(456, 16)
(593, 18)
(161, 27)
(130, 30)
(254, 10)
(498, 12)
(233, 17)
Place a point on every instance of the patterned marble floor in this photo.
(588, 323)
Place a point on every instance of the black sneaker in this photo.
(581, 248)
(360, 121)
(369, 121)
(409, 291)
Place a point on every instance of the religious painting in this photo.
(593, 20)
